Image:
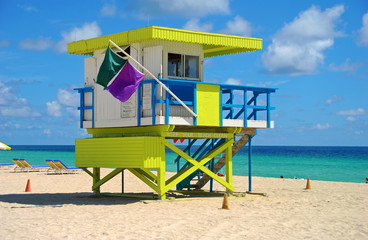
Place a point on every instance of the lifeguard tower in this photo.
(134, 135)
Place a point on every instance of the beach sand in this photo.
(63, 207)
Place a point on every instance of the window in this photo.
(183, 66)
(174, 62)
(191, 66)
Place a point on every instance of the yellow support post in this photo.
(229, 167)
(96, 178)
(161, 175)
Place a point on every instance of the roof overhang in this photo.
(213, 44)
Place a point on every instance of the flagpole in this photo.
(158, 81)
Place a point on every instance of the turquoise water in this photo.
(343, 164)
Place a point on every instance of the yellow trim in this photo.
(208, 105)
(119, 152)
(213, 44)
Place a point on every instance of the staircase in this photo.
(203, 179)
(244, 138)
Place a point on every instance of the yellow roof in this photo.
(213, 44)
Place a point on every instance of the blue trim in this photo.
(167, 111)
(245, 108)
(255, 103)
(81, 108)
(250, 164)
(195, 103)
(139, 104)
(230, 106)
(153, 103)
(221, 106)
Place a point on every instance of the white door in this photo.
(152, 60)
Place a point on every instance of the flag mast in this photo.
(158, 81)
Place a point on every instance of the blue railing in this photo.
(251, 104)
(186, 91)
(234, 102)
(82, 107)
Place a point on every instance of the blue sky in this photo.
(314, 52)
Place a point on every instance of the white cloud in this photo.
(68, 98)
(6, 125)
(233, 81)
(297, 49)
(108, 10)
(88, 30)
(351, 119)
(13, 106)
(345, 67)
(47, 131)
(28, 8)
(352, 112)
(19, 111)
(4, 43)
(72, 111)
(238, 26)
(53, 109)
(39, 44)
(333, 99)
(183, 8)
(363, 32)
(322, 126)
(194, 25)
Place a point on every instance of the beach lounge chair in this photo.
(32, 168)
(19, 165)
(61, 165)
(53, 166)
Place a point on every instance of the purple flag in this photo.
(125, 83)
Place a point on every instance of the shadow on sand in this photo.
(59, 199)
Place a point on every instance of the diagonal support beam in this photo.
(147, 173)
(197, 165)
(106, 178)
(88, 172)
(144, 179)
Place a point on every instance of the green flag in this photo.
(110, 66)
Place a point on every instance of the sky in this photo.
(314, 52)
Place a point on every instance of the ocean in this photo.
(341, 164)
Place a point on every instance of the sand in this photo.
(63, 207)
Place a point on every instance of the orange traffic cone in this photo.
(225, 203)
(28, 187)
(308, 187)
